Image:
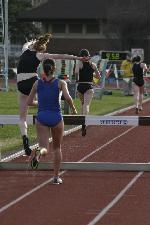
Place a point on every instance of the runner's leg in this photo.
(141, 92)
(81, 97)
(136, 95)
(23, 110)
(88, 95)
(57, 137)
(43, 135)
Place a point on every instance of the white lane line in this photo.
(118, 197)
(107, 143)
(115, 200)
(22, 152)
(24, 196)
(2, 209)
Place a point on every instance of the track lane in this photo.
(31, 175)
(83, 194)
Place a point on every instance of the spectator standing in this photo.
(127, 73)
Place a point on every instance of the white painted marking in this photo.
(22, 152)
(107, 143)
(115, 200)
(2, 209)
(103, 212)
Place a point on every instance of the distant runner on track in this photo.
(139, 69)
(85, 71)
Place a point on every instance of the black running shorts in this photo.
(82, 88)
(25, 86)
(138, 82)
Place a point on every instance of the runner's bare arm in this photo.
(42, 56)
(96, 71)
(68, 98)
(144, 66)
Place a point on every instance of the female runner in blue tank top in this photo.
(49, 116)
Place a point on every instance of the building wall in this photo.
(73, 46)
(78, 34)
(69, 37)
(106, 38)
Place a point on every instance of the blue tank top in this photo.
(48, 96)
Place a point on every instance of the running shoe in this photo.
(57, 180)
(83, 130)
(26, 145)
(35, 160)
(28, 151)
(136, 110)
(140, 108)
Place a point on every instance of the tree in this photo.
(131, 17)
(20, 31)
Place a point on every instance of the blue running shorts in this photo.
(49, 118)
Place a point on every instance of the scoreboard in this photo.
(114, 55)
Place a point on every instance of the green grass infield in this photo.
(10, 138)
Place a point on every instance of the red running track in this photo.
(84, 198)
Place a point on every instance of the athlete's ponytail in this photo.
(48, 66)
(41, 43)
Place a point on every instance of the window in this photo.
(92, 28)
(58, 28)
(75, 28)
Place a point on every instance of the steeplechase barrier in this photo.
(86, 166)
(85, 120)
(81, 120)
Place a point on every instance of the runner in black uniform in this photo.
(139, 68)
(33, 54)
(85, 71)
